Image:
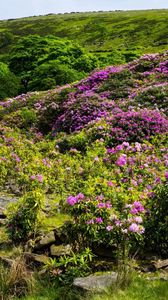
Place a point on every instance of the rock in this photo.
(160, 264)
(2, 222)
(60, 250)
(6, 199)
(46, 241)
(96, 283)
(35, 260)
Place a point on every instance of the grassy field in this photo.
(97, 31)
(139, 289)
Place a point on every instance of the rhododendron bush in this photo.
(97, 149)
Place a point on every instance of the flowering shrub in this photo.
(99, 222)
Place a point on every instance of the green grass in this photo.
(97, 31)
(140, 289)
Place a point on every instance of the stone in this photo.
(160, 264)
(2, 222)
(35, 260)
(46, 241)
(60, 250)
(96, 283)
(6, 199)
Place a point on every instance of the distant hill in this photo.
(99, 32)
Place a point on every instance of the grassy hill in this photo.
(97, 31)
(90, 157)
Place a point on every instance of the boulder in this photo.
(35, 260)
(46, 241)
(96, 283)
(161, 264)
(60, 250)
(2, 222)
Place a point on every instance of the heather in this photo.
(88, 164)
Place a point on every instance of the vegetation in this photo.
(87, 160)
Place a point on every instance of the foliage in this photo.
(24, 217)
(66, 268)
(9, 83)
(49, 61)
(52, 73)
(157, 221)
(95, 220)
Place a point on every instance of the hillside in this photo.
(87, 165)
(99, 32)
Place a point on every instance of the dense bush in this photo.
(9, 83)
(49, 61)
(24, 217)
(156, 234)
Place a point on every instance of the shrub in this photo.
(9, 83)
(156, 235)
(24, 216)
(95, 220)
(130, 126)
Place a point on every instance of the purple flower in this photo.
(122, 160)
(138, 206)
(32, 177)
(71, 200)
(101, 205)
(166, 175)
(99, 220)
(40, 178)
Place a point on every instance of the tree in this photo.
(9, 83)
(33, 55)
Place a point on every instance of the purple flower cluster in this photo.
(72, 200)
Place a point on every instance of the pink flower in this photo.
(108, 204)
(80, 196)
(99, 220)
(89, 222)
(138, 205)
(133, 211)
(32, 177)
(101, 205)
(138, 219)
(71, 200)
(166, 175)
(134, 227)
(109, 228)
(110, 183)
(122, 160)
(40, 178)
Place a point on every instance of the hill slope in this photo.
(97, 31)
